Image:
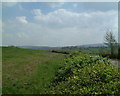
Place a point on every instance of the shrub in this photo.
(86, 74)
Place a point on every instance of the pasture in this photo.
(26, 71)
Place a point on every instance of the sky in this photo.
(57, 23)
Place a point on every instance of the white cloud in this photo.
(0, 32)
(64, 18)
(37, 12)
(22, 19)
(75, 5)
(60, 28)
(55, 4)
(0, 24)
(22, 35)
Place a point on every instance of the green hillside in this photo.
(28, 71)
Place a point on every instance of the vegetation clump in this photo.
(86, 74)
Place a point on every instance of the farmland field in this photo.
(28, 71)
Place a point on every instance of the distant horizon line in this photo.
(54, 46)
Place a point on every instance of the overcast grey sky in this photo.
(57, 24)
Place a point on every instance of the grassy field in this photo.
(98, 50)
(28, 71)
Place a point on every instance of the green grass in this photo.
(27, 71)
(99, 50)
(95, 50)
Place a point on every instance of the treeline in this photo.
(60, 51)
(102, 51)
(114, 55)
(119, 53)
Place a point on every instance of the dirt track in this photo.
(116, 62)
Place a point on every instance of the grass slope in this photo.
(28, 71)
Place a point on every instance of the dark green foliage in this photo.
(119, 53)
(86, 74)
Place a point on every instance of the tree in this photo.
(110, 41)
(119, 52)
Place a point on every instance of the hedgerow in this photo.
(86, 74)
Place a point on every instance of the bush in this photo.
(85, 74)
